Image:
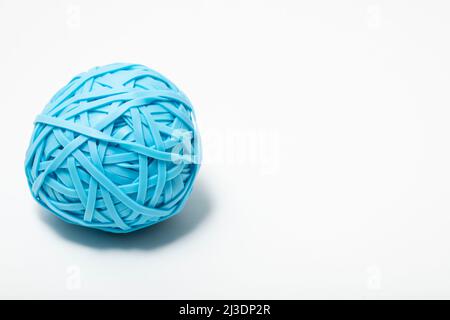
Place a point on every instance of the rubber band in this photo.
(107, 152)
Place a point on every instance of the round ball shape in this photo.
(116, 149)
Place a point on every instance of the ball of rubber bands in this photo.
(116, 149)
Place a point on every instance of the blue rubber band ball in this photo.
(116, 149)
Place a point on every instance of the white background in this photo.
(326, 145)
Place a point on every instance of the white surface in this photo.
(326, 139)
